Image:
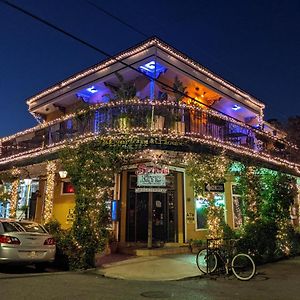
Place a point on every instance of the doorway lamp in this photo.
(63, 174)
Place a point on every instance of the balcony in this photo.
(186, 123)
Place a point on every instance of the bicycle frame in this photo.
(222, 255)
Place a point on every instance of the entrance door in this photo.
(163, 214)
(159, 217)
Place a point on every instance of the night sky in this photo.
(253, 44)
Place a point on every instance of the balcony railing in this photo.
(146, 116)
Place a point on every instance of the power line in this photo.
(117, 18)
(47, 23)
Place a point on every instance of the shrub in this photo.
(229, 233)
(67, 254)
(259, 240)
(197, 243)
(294, 238)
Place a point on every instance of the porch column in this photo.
(150, 213)
(14, 193)
(48, 206)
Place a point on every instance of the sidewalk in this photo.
(149, 268)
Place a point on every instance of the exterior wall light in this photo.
(63, 174)
(27, 181)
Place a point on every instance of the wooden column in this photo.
(150, 216)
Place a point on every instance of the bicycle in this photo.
(241, 264)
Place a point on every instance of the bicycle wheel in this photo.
(243, 266)
(206, 263)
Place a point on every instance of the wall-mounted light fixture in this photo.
(27, 181)
(236, 107)
(63, 174)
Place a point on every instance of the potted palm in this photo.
(178, 116)
(125, 90)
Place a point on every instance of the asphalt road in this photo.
(274, 281)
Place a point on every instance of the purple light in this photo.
(236, 107)
(92, 90)
(152, 69)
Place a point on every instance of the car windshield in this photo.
(23, 226)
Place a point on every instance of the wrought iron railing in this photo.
(146, 116)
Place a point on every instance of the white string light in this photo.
(49, 194)
(145, 134)
(156, 103)
(133, 52)
(14, 193)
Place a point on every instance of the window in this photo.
(10, 227)
(31, 227)
(201, 213)
(202, 204)
(67, 188)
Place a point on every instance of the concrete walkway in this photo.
(151, 268)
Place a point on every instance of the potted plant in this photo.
(178, 116)
(124, 121)
(124, 90)
(197, 245)
(179, 90)
(159, 116)
(178, 122)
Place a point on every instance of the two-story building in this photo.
(174, 106)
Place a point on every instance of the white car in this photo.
(25, 242)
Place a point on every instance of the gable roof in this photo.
(154, 41)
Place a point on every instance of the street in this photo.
(274, 281)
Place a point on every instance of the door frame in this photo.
(124, 198)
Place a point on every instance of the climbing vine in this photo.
(250, 189)
(91, 167)
(267, 196)
(209, 169)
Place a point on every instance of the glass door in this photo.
(162, 211)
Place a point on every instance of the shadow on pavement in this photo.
(30, 269)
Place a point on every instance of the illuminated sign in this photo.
(151, 176)
(143, 169)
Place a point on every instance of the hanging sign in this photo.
(151, 176)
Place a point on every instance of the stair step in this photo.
(155, 251)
